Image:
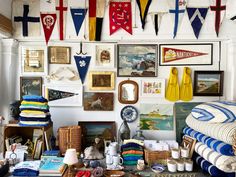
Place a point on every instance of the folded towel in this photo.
(130, 162)
(33, 112)
(33, 123)
(132, 152)
(34, 106)
(27, 168)
(141, 143)
(34, 98)
(132, 158)
(34, 103)
(22, 114)
(128, 145)
(133, 155)
(132, 148)
(34, 109)
(30, 119)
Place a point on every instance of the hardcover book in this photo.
(53, 165)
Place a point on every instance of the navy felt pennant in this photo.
(78, 16)
(82, 63)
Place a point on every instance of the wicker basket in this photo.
(69, 137)
(152, 157)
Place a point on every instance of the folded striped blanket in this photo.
(223, 132)
(211, 169)
(34, 98)
(215, 112)
(222, 162)
(216, 145)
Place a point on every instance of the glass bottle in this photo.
(139, 135)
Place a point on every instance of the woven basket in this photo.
(152, 157)
(69, 137)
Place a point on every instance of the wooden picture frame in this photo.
(153, 88)
(189, 143)
(101, 80)
(208, 83)
(30, 86)
(137, 60)
(59, 55)
(105, 55)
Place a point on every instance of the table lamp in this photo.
(70, 159)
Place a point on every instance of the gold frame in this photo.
(65, 57)
(97, 73)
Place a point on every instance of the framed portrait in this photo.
(153, 88)
(208, 83)
(97, 129)
(59, 55)
(101, 80)
(64, 95)
(137, 60)
(34, 60)
(30, 86)
(98, 101)
(185, 54)
(105, 55)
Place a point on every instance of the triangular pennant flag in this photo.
(219, 7)
(82, 63)
(233, 18)
(78, 16)
(59, 94)
(197, 18)
(177, 8)
(48, 23)
(157, 18)
(61, 8)
(143, 8)
(120, 16)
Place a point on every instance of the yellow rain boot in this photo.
(186, 88)
(172, 90)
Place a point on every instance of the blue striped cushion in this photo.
(215, 112)
(216, 145)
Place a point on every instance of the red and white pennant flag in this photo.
(48, 22)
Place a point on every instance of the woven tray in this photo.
(152, 157)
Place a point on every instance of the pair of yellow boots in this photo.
(184, 92)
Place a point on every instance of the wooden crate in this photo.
(152, 157)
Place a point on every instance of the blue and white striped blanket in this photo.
(215, 112)
(216, 145)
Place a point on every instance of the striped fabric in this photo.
(223, 132)
(215, 112)
(216, 145)
(222, 162)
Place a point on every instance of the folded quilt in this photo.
(128, 145)
(216, 145)
(224, 132)
(141, 143)
(132, 152)
(22, 114)
(215, 112)
(211, 169)
(132, 158)
(34, 103)
(34, 98)
(222, 162)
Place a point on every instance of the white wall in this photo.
(5, 8)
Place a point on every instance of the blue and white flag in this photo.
(82, 63)
(197, 18)
(78, 16)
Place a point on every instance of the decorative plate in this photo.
(129, 113)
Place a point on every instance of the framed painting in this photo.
(30, 86)
(98, 101)
(101, 80)
(185, 54)
(59, 55)
(97, 129)
(64, 95)
(208, 83)
(34, 60)
(153, 88)
(105, 55)
(137, 60)
(156, 117)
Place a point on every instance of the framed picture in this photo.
(153, 88)
(97, 129)
(137, 60)
(34, 60)
(101, 80)
(208, 83)
(98, 101)
(63, 95)
(59, 55)
(30, 86)
(105, 55)
(185, 54)
(189, 143)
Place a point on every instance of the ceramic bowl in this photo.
(157, 168)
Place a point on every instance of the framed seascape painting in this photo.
(137, 60)
(101, 80)
(153, 88)
(208, 83)
(185, 54)
(30, 86)
(59, 55)
(105, 55)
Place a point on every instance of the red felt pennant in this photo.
(120, 16)
(61, 8)
(48, 22)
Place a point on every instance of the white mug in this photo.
(112, 150)
(117, 160)
(109, 159)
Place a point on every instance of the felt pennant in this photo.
(48, 23)
(61, 8)
(197, 18)
(120, 16)
(82, 63)
(219, 7)
(143, 8)
(157, 19)
(60, 94)
(26, 18)
(78, 16)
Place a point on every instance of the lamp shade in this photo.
(70, 157)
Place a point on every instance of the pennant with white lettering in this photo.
(143, 8)
(82, 63)
(78, 16)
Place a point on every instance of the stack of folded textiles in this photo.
(213, 124)
(27, 168)
(34, 111)
(132, 151)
